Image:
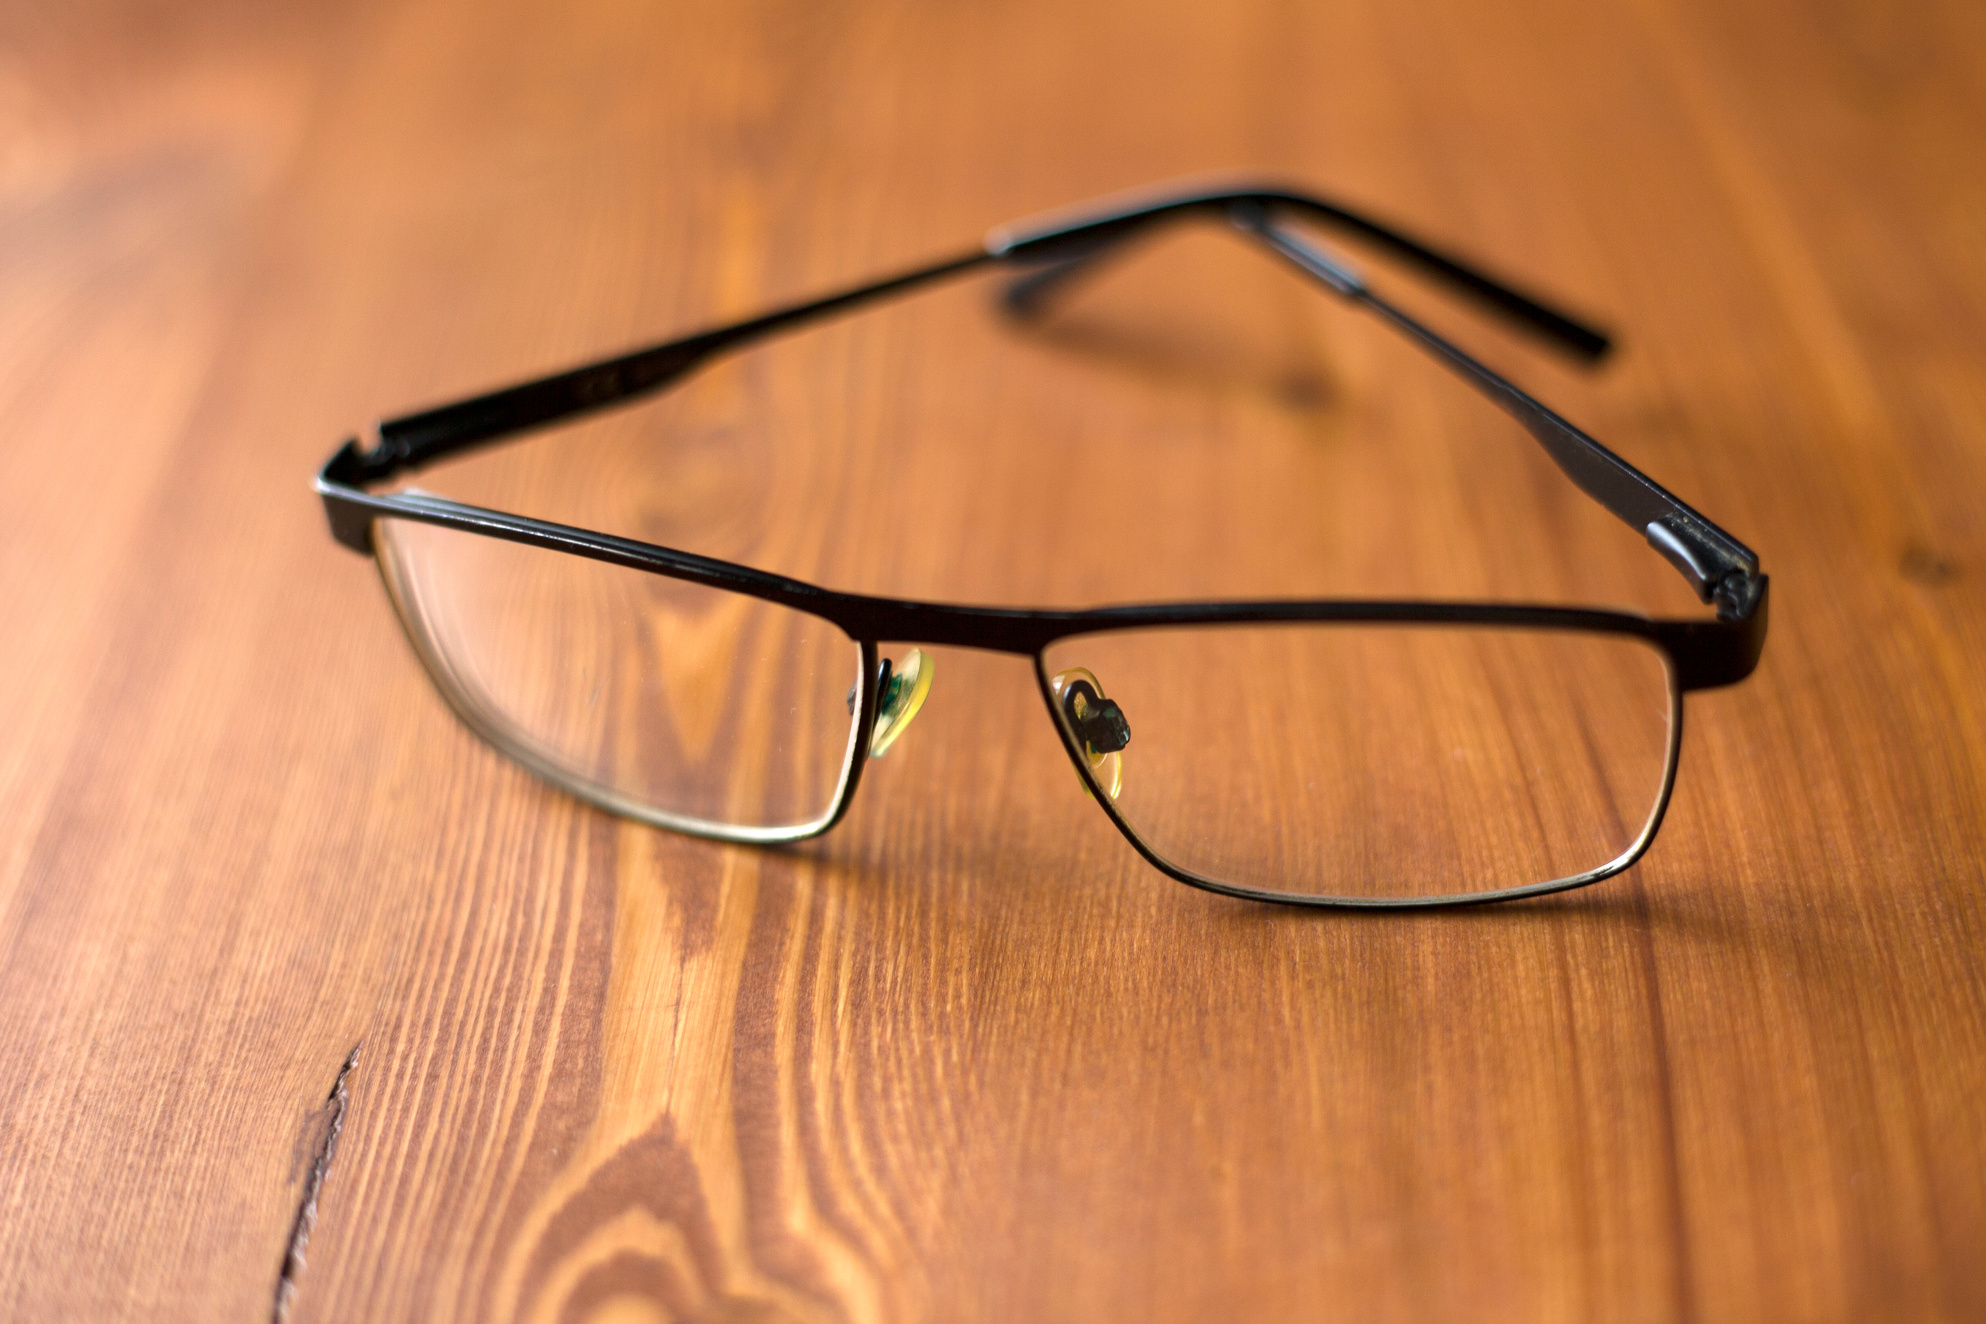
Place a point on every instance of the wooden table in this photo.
(968, 1057)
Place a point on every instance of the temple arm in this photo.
(1719, 567)
(413, 440)
(417, 439)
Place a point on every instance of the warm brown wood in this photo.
(967, 1057)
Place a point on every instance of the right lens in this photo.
(687, 706)
(1372, 762)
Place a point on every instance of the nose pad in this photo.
(1099, 724)
(899, 695)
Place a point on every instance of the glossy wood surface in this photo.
(968, 1058)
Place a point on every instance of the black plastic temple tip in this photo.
(1585, 342)
(1069, 246)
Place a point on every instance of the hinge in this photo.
(1719, 570)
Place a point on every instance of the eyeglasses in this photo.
(1334, 753)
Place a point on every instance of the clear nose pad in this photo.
(1099, 724)
(899, 694)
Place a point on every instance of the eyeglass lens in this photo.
(1367, 762)
(689, 706)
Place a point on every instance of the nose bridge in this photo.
(940, 625)
(904, 676)
(903, 683)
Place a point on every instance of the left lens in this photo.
(683, 705)
(1363, 762)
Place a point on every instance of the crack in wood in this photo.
(333, 1114)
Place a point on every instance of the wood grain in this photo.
(967, 1057)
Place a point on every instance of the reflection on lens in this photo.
(687, 706)
(1367, 762)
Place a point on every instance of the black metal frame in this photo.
(1701, 653)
